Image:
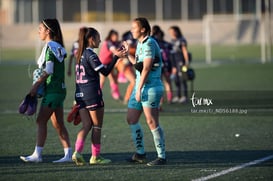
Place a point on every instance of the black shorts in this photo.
(91, 105)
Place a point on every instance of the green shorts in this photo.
(53, 100)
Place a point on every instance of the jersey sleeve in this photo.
(49, 62)
(149, 50)
(95, 62)
(49, 55)
(183, 42)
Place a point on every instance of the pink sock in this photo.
(169, 96)
(79, 145)
(95, 149)
(115, 90)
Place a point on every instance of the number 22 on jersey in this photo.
(80, 74)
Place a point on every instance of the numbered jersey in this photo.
(87, 76)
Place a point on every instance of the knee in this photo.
(131, 120)
(87, 128)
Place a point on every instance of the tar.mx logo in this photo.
(200, 101)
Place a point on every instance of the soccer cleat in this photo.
(78, 158)
(175, 99)
(158, 161)
(183, 100)
(31, 158)
(32, 106)
(63, 160)
(99, 160)
(122, 78)
(137, 158)
(24, 104)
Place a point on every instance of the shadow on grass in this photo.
(174, 157)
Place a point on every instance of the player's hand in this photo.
(33, 91)
(138, 96)
(125, 46)
(121, 52)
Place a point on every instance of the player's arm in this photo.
(105, 69)
(148, 60)
(48, 70)
(130, 57)
(40, 81)
(70, 65)
(185, 53)
(147, 66)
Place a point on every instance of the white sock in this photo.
(38, 151)
(68, 152)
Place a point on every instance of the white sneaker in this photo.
(63, 160)
(175, 99)
(182, 100)
(31, 158)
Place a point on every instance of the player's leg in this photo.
(133, 115)
(168, 86)
(151, 112)
(177, 82)
(121, 66)
(130, 76)
(114, 85)
(185, 91)
(97, 120)
(42, 119)
(57, 120)
(79, 145)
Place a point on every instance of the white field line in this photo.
(233, 169)
(121, 110)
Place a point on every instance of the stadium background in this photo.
(242, 22)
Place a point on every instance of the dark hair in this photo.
(55, 32)
(85, 34)
(155, 30)
(143, 23)
(177, 31)
(110, 34)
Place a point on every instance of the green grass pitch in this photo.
(197, 144)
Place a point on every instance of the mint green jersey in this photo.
(149, 48)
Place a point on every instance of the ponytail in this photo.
(82, 43)
(84, 35)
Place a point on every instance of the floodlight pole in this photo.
(84, 10)
(59, 10)
(134, 9)
(159, 10)
(262, 32)
(184, 10)
(109, 10)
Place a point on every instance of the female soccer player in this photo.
(107, 51)
(52, 62)
(73, 53)
(180, 58)
(147, 92)
(88, 95)
(165, 48)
